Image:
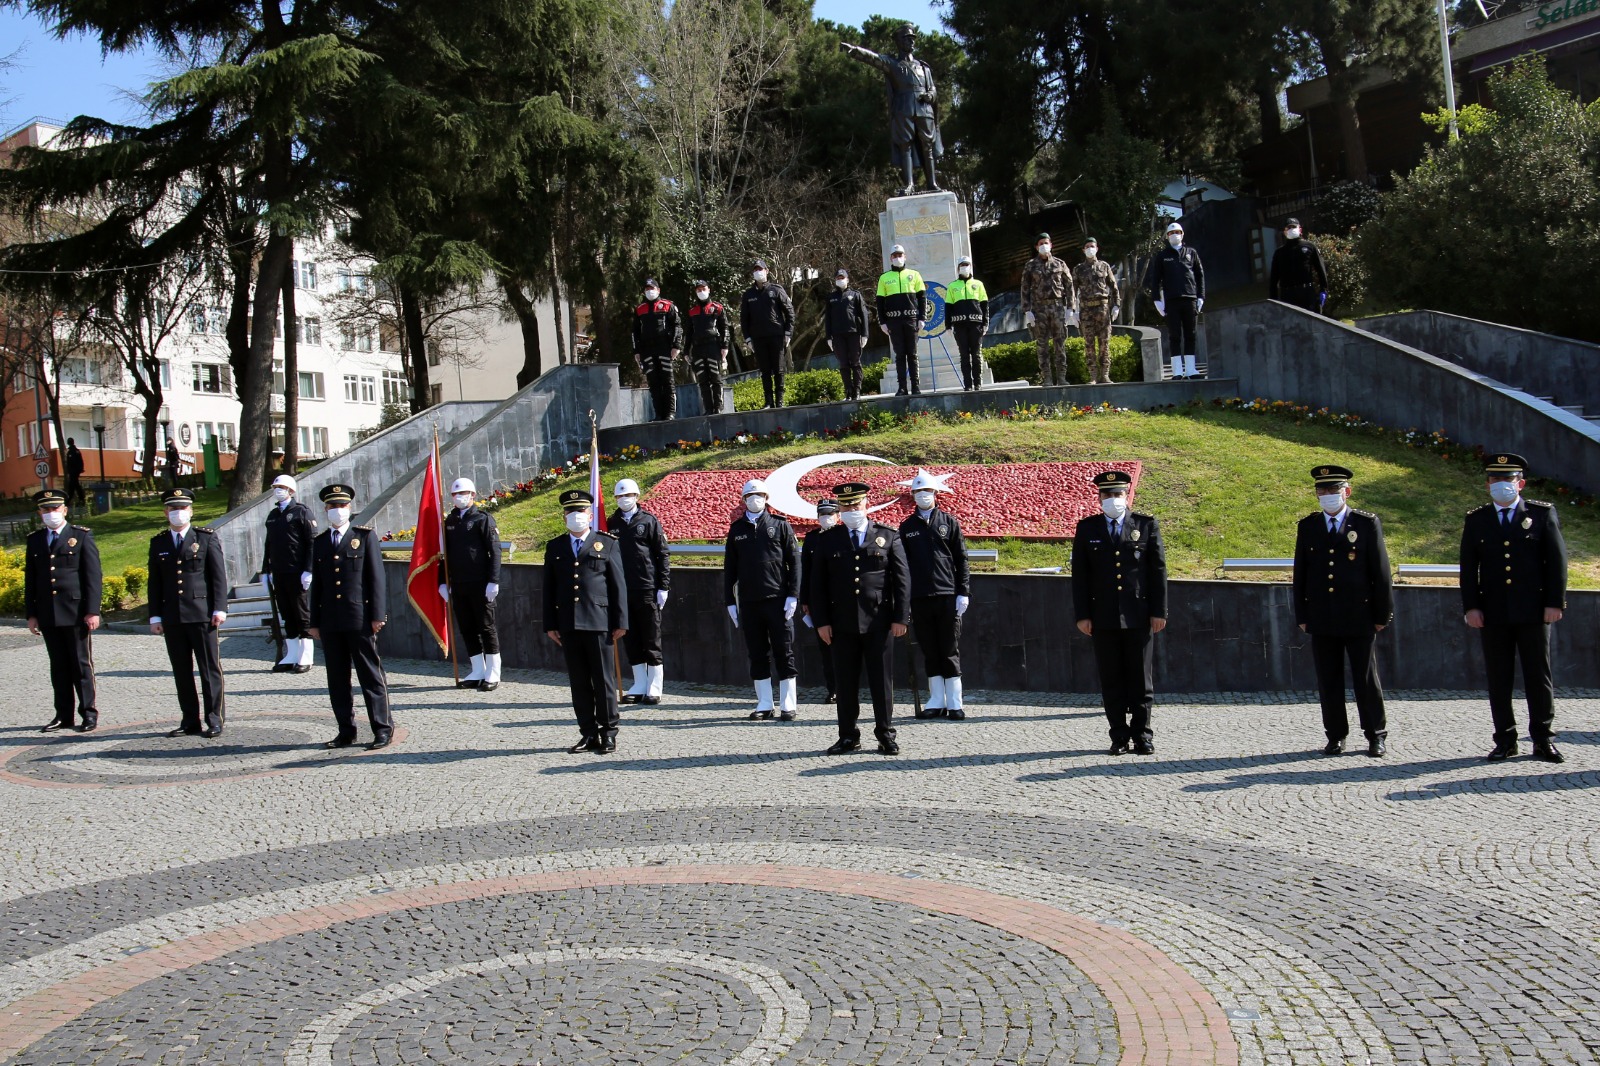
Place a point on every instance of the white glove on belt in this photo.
(961, 605)
(788, 607)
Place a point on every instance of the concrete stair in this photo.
(249, 607)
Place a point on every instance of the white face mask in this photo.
(1090, 252)
(1175, 239)
(841, 283)
(897, 261)
(855, 520)
(1044, 250)
(963, 272)
(1114, 507)
(755, 504)
(1503, 492)
(628, 504)
(827, 521)
(1331, 502)
(924, 499)
(179, 517)
(577, 523)
(280, 494)
(338, 517)
(463, 500)
(759, 275)
(651, 294)
(702, 295)
(1291, 234)
(53, 519)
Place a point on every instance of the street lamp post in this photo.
(164, 416)
(97, 419)
(1449, 74)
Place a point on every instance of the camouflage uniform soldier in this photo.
(1096, 285)
(1047, 308)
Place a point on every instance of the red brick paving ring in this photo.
(1164, 1015)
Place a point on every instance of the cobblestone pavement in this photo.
(719, 892)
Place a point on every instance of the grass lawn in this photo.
(1224, 483)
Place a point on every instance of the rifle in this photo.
(276, 636)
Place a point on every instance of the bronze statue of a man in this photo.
(913, 120)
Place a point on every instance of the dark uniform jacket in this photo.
(643, 545)
(846, 313)
(74, 461)
(766, 311)
(61, 587)
(188, 582)
(762, 561)
(290, 531)
(1176, 273)
(808, 552)
(657, 326)
(1512, 575)
(937, 553)
(347, 589)
(471, 548)
(595, 599)
(1119, 584)
(708, 325)
(860, 590)
(1342, 585)
(1295, 265)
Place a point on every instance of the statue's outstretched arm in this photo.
(864, 55)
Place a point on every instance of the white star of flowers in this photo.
(936, 482)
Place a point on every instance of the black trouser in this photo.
(342, 649)
(1182, 320)
(71, 671)
(590, 674)
(475, 615)
(769, 357)
(707, 364)
(939, 633)
(192, 645)
(293, 603)
(1126, 660)
(871, 653)
(969, 342)
(75, 488)
(1306, 296)
(657, 367)
(642, 641)
(903, 339)
(847, 349)
(1329, 652)
(830, 676)
(1503, 644)
(769, 637)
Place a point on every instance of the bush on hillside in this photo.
(800, 387)
(136, 577)
(113, 590)
(1347, 275)
(1020, 361)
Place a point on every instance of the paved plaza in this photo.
(720, 892)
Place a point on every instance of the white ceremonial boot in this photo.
(1190, 370)
(491, 672)
(655, 677)
(472, 679)
(1194, 366)
(641, 685)
(302, 664)
(935, 705)
(786, 699)
(763, 699)
(291, 655)
(952, 698)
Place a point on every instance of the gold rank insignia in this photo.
(598, 547)
(354, 544)
(1527, 523)
(1501, 458)
(72, 542)
(1352, 557)
(1134, 535)
(944, 531)
(880, 542)
(1351, 536)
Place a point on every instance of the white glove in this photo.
(830, 344)
(305, 579)
(788, 607)
(1027, 318)
(733, 613)
(266, 579)
(661, 598)
(218, 617)
(809, 623)
(1072, 318)
(1161, 308)
(1199, 306)
(961, 605)
(491, 590)
(884, 328)
(444, 593)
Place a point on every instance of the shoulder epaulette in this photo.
(1364, 514)
(206, 529)
(1143, 514)
(1480, 507)
(1539, 503)
(605, 534)
(83, 529)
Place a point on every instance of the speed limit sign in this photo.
(41, 469)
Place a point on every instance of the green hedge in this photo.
(135, 577)
(1020, 361)
(802, 386)
(113, 590)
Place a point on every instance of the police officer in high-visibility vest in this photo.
(657, 339)
(902, 311)
(966, 308)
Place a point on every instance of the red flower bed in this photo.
(1038, 501)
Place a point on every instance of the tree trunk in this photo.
(528, 318)
(1271, 117)
(291, 380)
(558, 302)
(602, 328)
(238, 329)
(152, 412)
(255, 414)
(416, 348)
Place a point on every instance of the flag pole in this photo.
(444, 563)
(594, 464)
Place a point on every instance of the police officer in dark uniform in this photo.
(647, 568)
(657, 339)
(860, 600)
(349, 606)
(1176, 282)
(761, 580)
(1344, 597)
(472, 567)
(845, 323)
(1298, 274)
(709, 337)
(286, 567)
(61, 599)
(1119, 594)
(188, 601)
(1513, 588)
(587, 623)
(766, 319)
(940, 592)
(827, 518)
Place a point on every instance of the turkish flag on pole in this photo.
(427, 560)
(595, 490)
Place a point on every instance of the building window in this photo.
(352, 388)
(347, 280)
(364, 341)
(369, 390)
(388, 338)
(433, 353)
(305, 275)
(165, 373)
(356, 437)
(352, 339)
(308, 329)
(395, 389)
(213, 378)
(313, 441)
(311, 386)
(227, 436)
(74, 371)
(437, 392)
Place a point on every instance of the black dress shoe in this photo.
(380, 740)
(929, 712)
(1506, 749)
(1119, 747)
(627, 697)
(464, 683)
(282, 668)
(584, 745)
(786, 716)
(1335, 747)
(843, 747)
(888, 747)
(649, 701)
(1546, 750)
(340, 741)
(832, 697)
(1377, 748)
(209, 733)
(760, 716)
(488, 686)
(299, 668)
(606, 746)
(955, 712)
(182, 732)
(55, 727)
(89, 725)
(1144, 747)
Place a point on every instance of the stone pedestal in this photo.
(933, 229)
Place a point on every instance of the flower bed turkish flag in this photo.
(1035, 501)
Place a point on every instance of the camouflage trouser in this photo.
(1095, 325)
(1050, 334)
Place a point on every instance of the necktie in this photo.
(1116, 530)
(857, 537)
(1333, 525)
(577, 546)
(52, 541)
(336, 538)
(177, 540)
(1505, 516)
